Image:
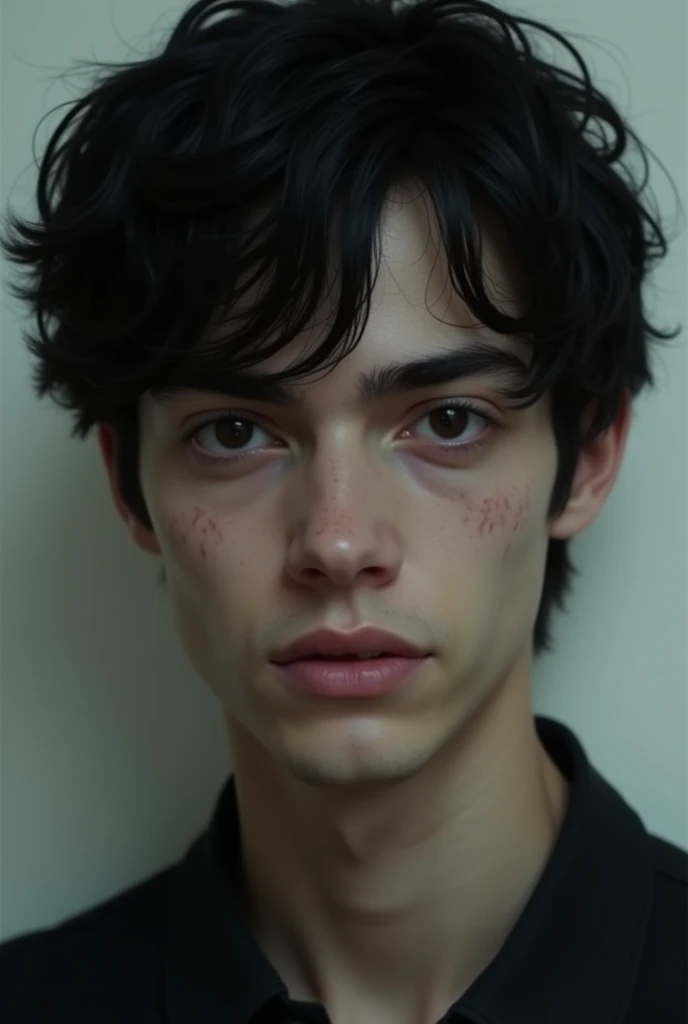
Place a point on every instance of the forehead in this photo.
(415, 269)
(414, 304)
(418, 324)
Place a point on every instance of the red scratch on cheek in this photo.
(195, 532)
(496, 512)
(504, 511)
(524, 507)
(493, 513)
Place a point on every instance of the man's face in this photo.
(425, 521)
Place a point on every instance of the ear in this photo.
(596, 473)
(143, 537)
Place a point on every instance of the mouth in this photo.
(363, 644)
(373, 674)
(375, 655)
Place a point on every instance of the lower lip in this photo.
(373, 677)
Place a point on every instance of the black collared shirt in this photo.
(602, 940)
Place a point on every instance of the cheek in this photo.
(501, 513)
(191, 540)
(502, 549)
(501, 520)
(194, 537)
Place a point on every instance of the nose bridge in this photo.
(340, 476)
(342, 526)
(340, 496)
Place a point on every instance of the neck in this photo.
(385, 903)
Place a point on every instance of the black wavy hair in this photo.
(260, 132)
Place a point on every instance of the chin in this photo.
(355, 763)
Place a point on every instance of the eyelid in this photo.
(201, 419)
(475, 405)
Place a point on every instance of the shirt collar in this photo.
(572, 955)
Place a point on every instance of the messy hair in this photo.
(205, 184)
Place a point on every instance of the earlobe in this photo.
(143, 537)
(598, 468)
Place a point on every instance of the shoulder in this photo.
(661, 991)
(671, 862)
(670, 895)
(97, 965)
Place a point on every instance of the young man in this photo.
(351, 292)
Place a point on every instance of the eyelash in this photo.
(190, 435)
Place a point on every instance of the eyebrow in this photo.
(473, 360)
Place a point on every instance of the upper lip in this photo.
(366, 640)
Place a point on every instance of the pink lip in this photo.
(349, 677)
(330, 642)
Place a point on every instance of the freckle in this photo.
(322, 522)
(344, 523)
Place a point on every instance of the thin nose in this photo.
(343, 538)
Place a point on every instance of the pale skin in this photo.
(389, 846)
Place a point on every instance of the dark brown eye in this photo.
(449, 422)
(232, 432)
(227, 436)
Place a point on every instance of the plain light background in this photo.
(113, 751)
